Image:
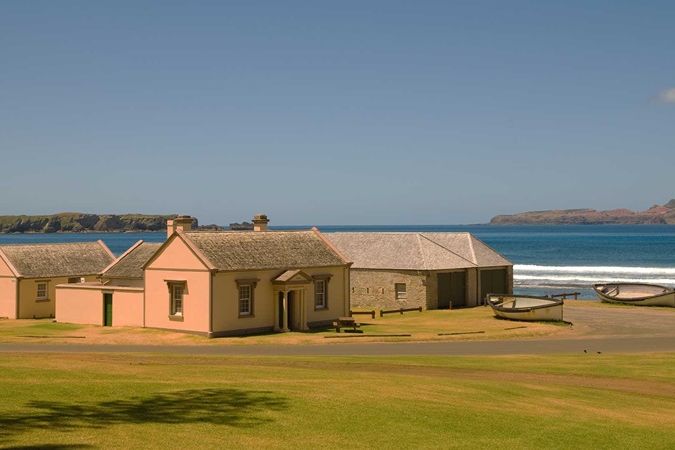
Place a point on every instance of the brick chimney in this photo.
(260, 222)
(180, 223)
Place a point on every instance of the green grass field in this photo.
(149, 401)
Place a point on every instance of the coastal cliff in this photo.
(657, 214)
(79, 222)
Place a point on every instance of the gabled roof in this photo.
(261, 250)
(415, 251)
(57, 260)
(295, 275)
(130, 263)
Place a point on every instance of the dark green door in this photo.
(107, 310)
(458, 289)
(444, 291)
(492, 281)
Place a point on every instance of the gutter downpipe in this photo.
(18, 291)
(212, 276)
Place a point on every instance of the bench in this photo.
(346, 322)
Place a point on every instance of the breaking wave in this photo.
(525, 275)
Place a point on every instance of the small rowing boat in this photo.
(525, 307)
(636, 294)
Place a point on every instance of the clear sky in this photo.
(336, 112)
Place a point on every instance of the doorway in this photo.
(451, 290)
(107, 310)
(493, 281)
(291, 313)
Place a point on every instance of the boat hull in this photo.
(612, 294)
(525, 308)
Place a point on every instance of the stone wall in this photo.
(375, 289)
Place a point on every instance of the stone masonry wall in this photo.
(375, 289)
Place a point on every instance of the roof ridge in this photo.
(41, 244)
(309, 230)
(198, 253)
(7, 261)
(444, 247)
(419, 248)
(489, 247)
(473, 250)
(330, 246)
(136, 245)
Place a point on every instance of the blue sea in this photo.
(547, 259)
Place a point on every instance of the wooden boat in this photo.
(526, 307)
(635, 294)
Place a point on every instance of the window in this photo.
(41, 288)
(177, 293)
(401, 293)
(320, 294)
(245, 300)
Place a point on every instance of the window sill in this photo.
(320, 308)
(176, 318)
(42, 300)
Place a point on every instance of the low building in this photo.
(239, 282)
(428, 270)
(117, 299)
(217, 283)
(29, 274)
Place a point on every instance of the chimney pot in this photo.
(180, 223)
(260, 222)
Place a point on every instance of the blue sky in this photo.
(336, 112)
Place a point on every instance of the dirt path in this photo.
(590, 345)
(604, 320)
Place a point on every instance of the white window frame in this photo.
(320, 295)
(401, 294)
(248, 311)
(45, 295)
(175, 311)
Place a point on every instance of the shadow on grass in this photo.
(228, 407)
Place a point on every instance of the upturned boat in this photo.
(526, 307)
(636, 294)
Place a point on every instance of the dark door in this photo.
(289, 310)
(291, 315)
(444, 291)
(492, 281)
(107, 310)
(458, 289)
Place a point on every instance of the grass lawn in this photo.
(470, 323)
(150, 401)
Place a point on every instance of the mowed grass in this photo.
(469, 323)
(165, 401)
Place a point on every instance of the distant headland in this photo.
(82, 223)
(657, 214)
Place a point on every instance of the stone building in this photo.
(431, 270)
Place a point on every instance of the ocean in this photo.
(547, 259)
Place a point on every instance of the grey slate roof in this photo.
(415, 251)
(259, 250)
(58, 260)
(130, 265)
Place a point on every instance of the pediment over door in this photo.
(289, 277)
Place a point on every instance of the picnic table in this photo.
(346, 322)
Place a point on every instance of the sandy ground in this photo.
(602, 319)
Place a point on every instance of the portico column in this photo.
(285, 311)
(276, 311)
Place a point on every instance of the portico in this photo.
(290, 311)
